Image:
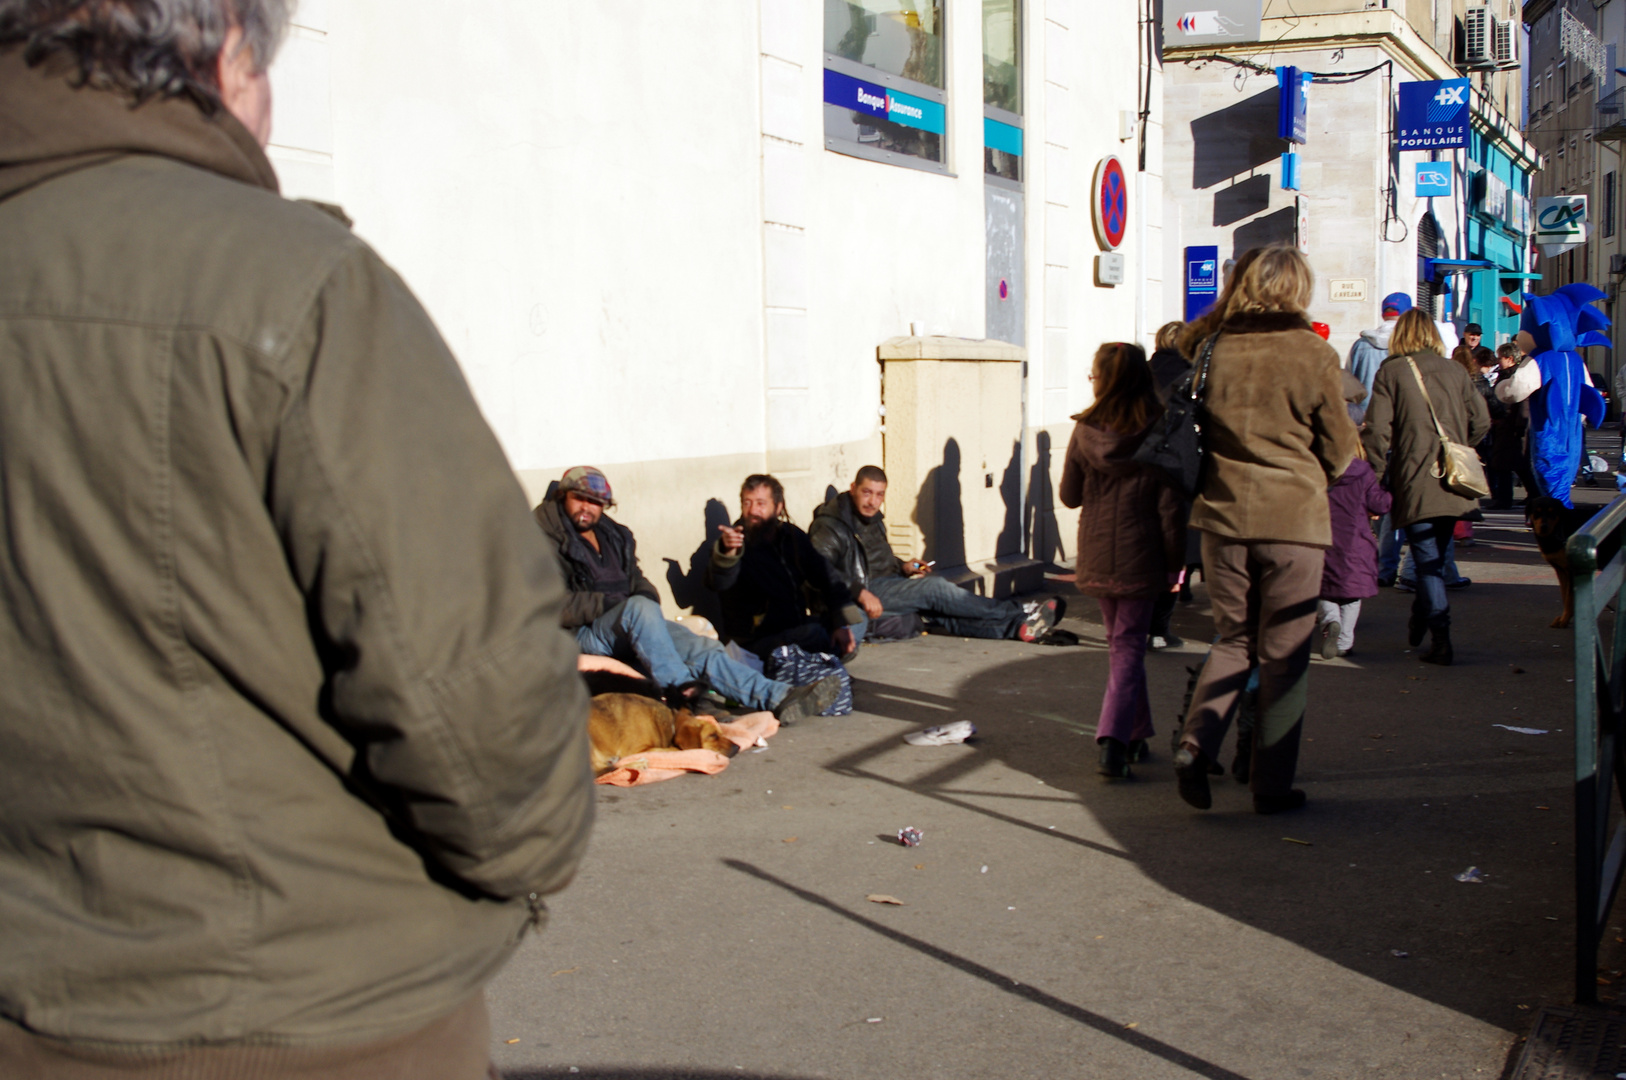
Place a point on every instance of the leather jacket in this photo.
(835, 533)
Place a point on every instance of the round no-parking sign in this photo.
(1110, 201)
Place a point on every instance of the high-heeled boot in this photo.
(1439, 651)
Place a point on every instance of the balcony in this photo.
(1610, 125)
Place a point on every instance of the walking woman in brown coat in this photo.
(1400, 424)
(1275, 433)
(1131, 539)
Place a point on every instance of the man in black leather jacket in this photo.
(850, 532)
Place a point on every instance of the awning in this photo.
(1437, 268)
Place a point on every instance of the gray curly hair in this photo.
(145, 48)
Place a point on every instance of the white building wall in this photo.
(624, 221)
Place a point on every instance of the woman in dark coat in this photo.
(1131, 539)
(1400, 430)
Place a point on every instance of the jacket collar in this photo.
(50, 127)
(1264, 322)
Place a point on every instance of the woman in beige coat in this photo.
(1275, 433)
(1400, 425)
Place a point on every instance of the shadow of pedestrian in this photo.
(940, 513)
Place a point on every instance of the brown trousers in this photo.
(1264, 599)
(455, 1047)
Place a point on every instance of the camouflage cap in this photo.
(587, 483)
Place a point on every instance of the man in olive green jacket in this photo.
(291, 743)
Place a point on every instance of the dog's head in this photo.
(699, 732)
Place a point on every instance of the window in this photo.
(1002, 88)
(884, 80)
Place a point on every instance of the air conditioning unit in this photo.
(1478, 38)
(1505, 44)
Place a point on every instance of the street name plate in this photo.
(1346, 289)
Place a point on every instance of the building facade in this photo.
(1373, 204)
(678, 248)
(1576, 121)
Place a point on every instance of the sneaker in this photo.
(1166, 641)
(1329, 638)
(1041, 616)
(1406, 586)
(810, 700)
(1460, 583)
(1386, 582)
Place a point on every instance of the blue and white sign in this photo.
(1202, 279)
(870, 99)
(1433, 115)
(1433, 179)
(1292, 105)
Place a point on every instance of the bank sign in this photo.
(1561, 219)
(869, 99)
(1433, 115)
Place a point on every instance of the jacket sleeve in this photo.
(1071, 489)
(1380, 415)
(1172, 512)
(828, 541)
(580, 608)
(829, 586)
(723, 568)
(444, 663)
(1377, 500)
(1478, 414)
(1525, 380)
(1334, 434)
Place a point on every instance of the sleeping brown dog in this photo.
(625, 725)
(1554, 524)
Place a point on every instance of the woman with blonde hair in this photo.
(1275, 434)
(1400, 431)
(1131, 539)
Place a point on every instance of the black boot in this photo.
(1440, 651)
(1191, 777)
(1114, 758)
(1416, 628)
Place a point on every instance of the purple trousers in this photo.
(1126, 708)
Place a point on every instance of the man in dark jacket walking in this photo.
(765, 570)
(850, 532)
(287, 763)
(615, 611)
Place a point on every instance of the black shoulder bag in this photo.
(1175, 443)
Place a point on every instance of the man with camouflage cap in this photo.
(615, 611)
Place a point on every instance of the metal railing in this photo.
(1599, 571)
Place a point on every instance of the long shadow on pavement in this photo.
(1409, 786)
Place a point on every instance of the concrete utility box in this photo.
(954, 461)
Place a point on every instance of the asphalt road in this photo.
(1056, 924)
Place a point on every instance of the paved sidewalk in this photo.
(1058, 925)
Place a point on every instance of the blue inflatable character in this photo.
(1562, 322)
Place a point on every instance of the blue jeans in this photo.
(951, 609)
(636, 632)
(1428, 541)
(1449, 572)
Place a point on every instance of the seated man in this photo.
(615, 611)
(765, 569)
(850, 532)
